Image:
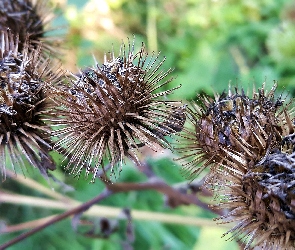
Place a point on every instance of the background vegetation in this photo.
(209, 44)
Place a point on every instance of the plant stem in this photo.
(107, 211)
(28, 182)
(25, 225)
(60, 217)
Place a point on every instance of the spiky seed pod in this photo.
(109, 111)
(288, 143)
(28, 19)
(233, 124)
(23, 104)
(262, 202)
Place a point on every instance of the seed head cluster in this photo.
(107, 112)
(262, 201)
(30, 21)
(23, 135)
(100, 115)
(233, 124)
(249, 145)
(111, 110)
(25, 74)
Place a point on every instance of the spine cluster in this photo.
(94, 118)
(107, 112)
(248, 144)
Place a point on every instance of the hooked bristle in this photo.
(262, 202)
(234, 123)
(113, 109)
(29, 20)
(24, 136)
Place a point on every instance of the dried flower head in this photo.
(23, 103)
(29, 19)
(262, 201)
(109, 111)
(233, 124)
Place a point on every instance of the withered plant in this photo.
(109, 111)
(24, 75)
(262, 203)
(248, 144)
(236, 126)
(29, 20)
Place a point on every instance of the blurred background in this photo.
(209, 44)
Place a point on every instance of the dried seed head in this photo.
(263, 203)
(23, 104)
(29, 19)
(234, 124)
(109, 111)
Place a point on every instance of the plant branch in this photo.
(25, 225)
(37, 186)
(58, 218)
(105, 211)
(175, 197)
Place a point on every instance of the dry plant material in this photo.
(249, 144)
(236, 127)
(23, 105)
(29, 19)
(262, 202)
(111, 110)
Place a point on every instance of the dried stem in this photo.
(25, 225)
(58, 218)
(175, 196)
(96, 211)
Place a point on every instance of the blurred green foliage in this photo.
(209, 43)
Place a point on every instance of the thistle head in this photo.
(23, 104)
(262, 202)
(111, 110)
(233, 124)
(29, 19)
